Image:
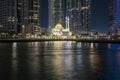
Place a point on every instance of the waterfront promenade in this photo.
(78, 40)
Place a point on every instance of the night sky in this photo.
(99, 15)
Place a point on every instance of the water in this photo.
(59, 60)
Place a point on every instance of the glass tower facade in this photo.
(17, 13)
(56, 13)
(115, 21)
(28, 12)
(78, 12)
(111, 3)
(8, 18)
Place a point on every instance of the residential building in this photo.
(28, 14)
(114, 16)
(56, 13)
(19, 16)
(8, 16)
(78, 12)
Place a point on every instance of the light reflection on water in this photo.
(59, 60)
(14, 61)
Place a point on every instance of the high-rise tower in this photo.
(8, 16)
(78, 12)
(15, 14)
(28, 12)
(115, 16)
(111, 3)
(56, 13)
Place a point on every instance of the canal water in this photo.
(59, 60)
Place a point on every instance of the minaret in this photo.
(67, 23)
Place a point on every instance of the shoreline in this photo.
(77, 40)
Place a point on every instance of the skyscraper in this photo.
(15, 14)
(28, 12)
(56, 13)
(8, 16)
(78, 12)
(115, 16)
(111, 3)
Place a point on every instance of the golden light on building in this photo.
(84, 8)
(59, 30)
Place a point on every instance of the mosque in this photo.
(59, 30)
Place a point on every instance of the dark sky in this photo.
(44, 13)
(99, 15)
